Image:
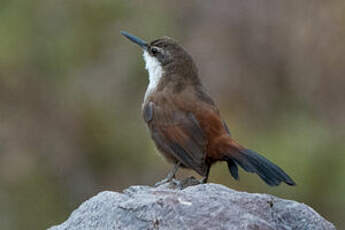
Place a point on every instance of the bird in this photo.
(184, 121)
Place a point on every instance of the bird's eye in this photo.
(154, 51)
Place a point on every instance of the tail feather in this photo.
(253, 162)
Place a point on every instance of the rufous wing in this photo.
(177, 132)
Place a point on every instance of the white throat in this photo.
(155, 70)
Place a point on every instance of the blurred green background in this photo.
(71, 90)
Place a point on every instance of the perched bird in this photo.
(185, 123)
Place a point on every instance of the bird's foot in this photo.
(203, 180)
(164, 181)
(170, 177)
(180, 184)
(189, 181)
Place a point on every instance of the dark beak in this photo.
(143, 44)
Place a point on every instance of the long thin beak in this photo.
(143, 44)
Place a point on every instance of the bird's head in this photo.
(164, 55)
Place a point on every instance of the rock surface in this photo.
(203, 206)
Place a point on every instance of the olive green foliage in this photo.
(71, 90)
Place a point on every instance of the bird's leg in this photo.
(171, 175)
(205, 178)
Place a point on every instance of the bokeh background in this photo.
(71, 90)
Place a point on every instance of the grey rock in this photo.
(203, 206)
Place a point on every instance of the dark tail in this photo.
(253, 162)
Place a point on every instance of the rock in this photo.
(202, 206)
